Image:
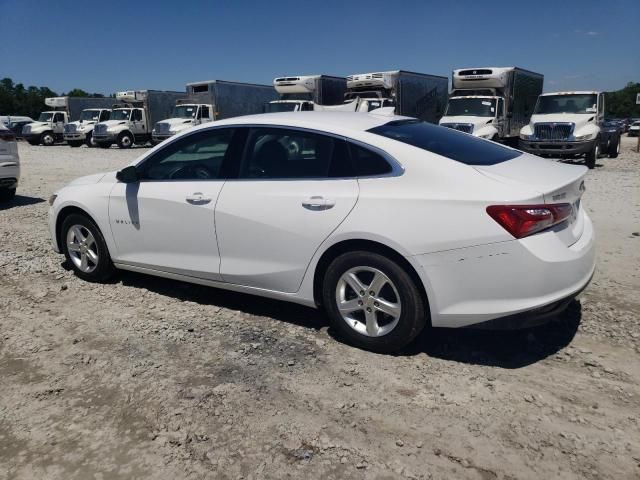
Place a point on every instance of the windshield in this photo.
(446, 142)
(280, 107)
(120, 114)
(184, 111)
(474, 107)
(90, 115)
(579, 103)
(45, 117)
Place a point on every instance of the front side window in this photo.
(136, 116)
(275, 153)
(58, 118)
(199, 156)
(205, 112)
(45, 117)
(446, 142)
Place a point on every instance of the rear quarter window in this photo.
(449, 143)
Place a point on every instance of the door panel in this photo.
(293, 191)
(266, 233)
(165, 225)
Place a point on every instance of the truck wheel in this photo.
(89, 141)
(125, 140)
(592, 156)
(47, 139)
(74, 143)
(614, 147)
(104, 144)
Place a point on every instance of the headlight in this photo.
(52, 199)
(585, 137)
(526, 137)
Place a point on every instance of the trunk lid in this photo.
(557, 182)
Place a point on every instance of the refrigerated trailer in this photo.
(306, 92)
(411, 94)
(213, 100)
(492, 102)
(133, 116)
(49, 128)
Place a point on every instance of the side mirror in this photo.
(128, 175)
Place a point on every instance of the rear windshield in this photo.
(447, 142)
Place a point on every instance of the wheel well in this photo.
(362, 245)
(62, 215)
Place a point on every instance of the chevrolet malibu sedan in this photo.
(388, 223)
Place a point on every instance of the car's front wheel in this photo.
(85, 249)
(373, 302)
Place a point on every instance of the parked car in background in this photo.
(634, 129)
(613, 126)
(9, 164)
(15, 124)
(390, 223)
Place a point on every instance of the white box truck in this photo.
(570, 125)
(411, 94)
(305, 92)
(132, 117)
(213, 100)
(492, 102)
(49, 128)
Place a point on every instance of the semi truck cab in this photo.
(569, 125)
(81, 131)
(183, 116)
(481, 116)
(48, 129)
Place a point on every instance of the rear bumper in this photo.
(9, 172)
(556, 148)
(523, 279)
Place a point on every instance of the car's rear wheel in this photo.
(85, 249)
(373, 302)
(7, 194)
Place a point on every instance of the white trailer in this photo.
(306, 93)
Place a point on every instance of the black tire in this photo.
(7, 194)
(89, 142)
(104, 144)
(614, 147)
(47, 139)
(414, 313)
(125, 140)
(592, 156)
(104, 268)
(74, 143)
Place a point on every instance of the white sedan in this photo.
(9, 164)
(389, 223)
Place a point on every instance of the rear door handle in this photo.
(317, 203)
(198, 198)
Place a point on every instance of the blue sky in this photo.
(118, 45)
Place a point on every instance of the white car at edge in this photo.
(390, 224)
(9, 164)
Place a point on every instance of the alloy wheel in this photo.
(368, 301)
(82, 248)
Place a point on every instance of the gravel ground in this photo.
(151, 378)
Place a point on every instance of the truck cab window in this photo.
(205, 112)
(136, 116)
(58, 118)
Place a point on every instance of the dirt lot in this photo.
(150, 378)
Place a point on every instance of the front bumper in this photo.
(556, 148)
(104, 137)
(74, 136)
(161, 137)
(535, 274)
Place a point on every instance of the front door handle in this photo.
(317, 203)
(198, 198)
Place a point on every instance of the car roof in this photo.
(334, 122)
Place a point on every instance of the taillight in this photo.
(523, 220)
(7, 136)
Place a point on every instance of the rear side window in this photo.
(447, 142)
(368, 163)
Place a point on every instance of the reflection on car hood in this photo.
(88, 180)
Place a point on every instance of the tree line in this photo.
(16, 99)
